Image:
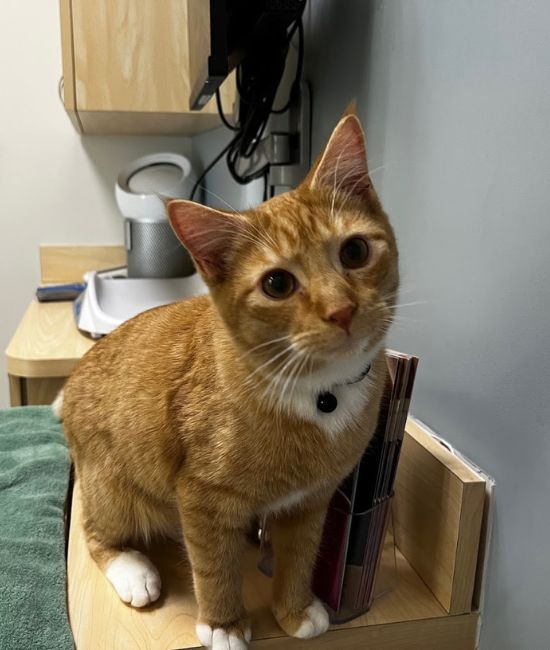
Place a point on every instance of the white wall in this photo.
(455, 96)
(55, 187)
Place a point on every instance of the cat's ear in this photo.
(209, 235)
(343, 164)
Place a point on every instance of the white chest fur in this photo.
(338, 378)
(352, 397)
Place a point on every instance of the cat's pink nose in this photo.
(343, 316)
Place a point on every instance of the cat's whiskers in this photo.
(221, 231)
(334, 185)
(305, 362)
(400, 319)
(336, 190)
(269, 343)
(344, 196)
(345, 156)
(288, 349)
(267, 379)
(296, 376)
(300, 354)
(411, 304)
(220, 198)
(273, 374)
(398, 292)
(264, 235)
(351, 191)
(378, 169)
(269, 375)
(275, 379)
(276, 391)
(282, 373)
(393, 319)
(236, 232)
(301, 335)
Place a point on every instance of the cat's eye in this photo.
(354, 253)
(278, 284)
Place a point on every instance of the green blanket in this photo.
(34, 473)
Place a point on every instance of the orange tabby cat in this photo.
(201, 415)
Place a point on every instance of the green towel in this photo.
(34, 473)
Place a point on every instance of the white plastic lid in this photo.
(142, 183)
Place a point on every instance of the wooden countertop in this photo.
(46, 342)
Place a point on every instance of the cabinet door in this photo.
(130, 67)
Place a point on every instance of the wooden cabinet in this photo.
(126, 67)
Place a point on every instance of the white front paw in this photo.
(220, 639)
(135, 578)
(316, 623)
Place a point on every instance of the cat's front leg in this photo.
(215, 546)
(296, 537)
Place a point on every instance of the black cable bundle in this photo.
(258, 78)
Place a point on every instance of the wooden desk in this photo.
(46, 345)
(42, 353)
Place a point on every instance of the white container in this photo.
(111, 298)
(153, 250)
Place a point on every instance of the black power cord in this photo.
(231, 127)
(258, 77)
(295, 88)
(208, 168)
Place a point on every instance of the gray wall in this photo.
(219, 190)
(455, 97)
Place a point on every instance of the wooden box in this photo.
(438, 515)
